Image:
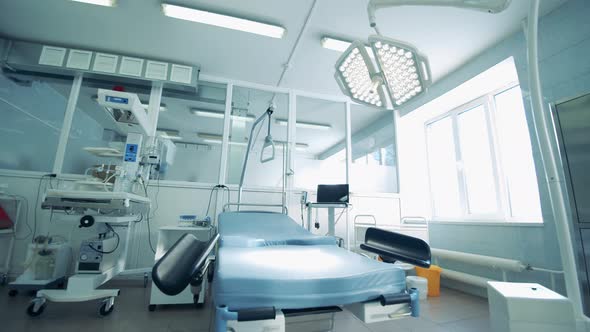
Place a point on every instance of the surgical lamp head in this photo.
(396, 72)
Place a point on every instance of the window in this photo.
(481, 163)
(320, 129)
(374, 166)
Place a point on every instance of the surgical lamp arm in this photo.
(260, 119)
(489, 6)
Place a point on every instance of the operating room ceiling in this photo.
(448, 36)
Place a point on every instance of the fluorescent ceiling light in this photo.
(221, 115)
(207, 113)
(217, 139)
(169, 134)
(339, 45)
(107, 3)
(224, 21)
(307, 125)
(162, 107)
(298, 146)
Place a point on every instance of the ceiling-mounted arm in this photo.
(489, 6)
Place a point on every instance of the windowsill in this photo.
(489, 223)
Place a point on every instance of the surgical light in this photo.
(106, 3)
(358, 78)
(404, 70)
(223, 21)
(403, 73)
(308, 125)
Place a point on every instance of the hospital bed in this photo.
(266, 267)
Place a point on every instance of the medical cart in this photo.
(10, 232)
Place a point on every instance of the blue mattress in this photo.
(268, 260)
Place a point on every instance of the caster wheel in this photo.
(152, 307)
(103, 309)
(31, 310)
(12, 292)
(196, 302)
(211, 273)
(3, 279)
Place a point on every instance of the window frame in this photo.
(503, 213)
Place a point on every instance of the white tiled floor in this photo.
(453, 311)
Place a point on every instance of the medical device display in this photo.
(391, 72)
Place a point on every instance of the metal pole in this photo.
(67, 124)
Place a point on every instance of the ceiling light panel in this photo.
(106, 3)
(223, 21)
(357, 77)
(308, 125)
(338, 44)
(405, 71)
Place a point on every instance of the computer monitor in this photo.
(333, 193)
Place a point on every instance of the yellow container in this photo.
(432, 274)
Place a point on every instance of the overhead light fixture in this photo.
(207, 113)
(106, 3)
(358, 78)
(221, 115)
(217, 139)
(163, 107)
(404, 70)
(224, 21)
(170, 134)
(339, 45)
(298, 146)
(307, 125)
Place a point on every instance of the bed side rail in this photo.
(395, 246)
(182, 263)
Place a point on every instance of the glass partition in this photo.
(96, 139)
(374, 160)
(320, 154)
(247, 105)
(32, 110)
(194, 124)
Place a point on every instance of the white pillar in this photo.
(67, 124)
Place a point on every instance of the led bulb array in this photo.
(355, 74)
(400, 69)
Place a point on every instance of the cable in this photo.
(150, 233)
(116, 246)
(148, 223)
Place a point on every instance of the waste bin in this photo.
(432, 274)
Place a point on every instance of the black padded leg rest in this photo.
(174, 271)
(248, 315)
(395, 299)
(397, 246)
